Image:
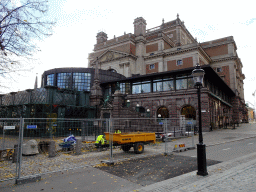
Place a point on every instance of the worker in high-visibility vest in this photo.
(117, 131)
(99, 141)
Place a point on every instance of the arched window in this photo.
(163, 111)
(189, 112)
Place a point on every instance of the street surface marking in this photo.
(226, 149)
(249, 143)
(193, 156)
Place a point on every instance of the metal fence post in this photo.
(19, 158)
(166, 137)
(111, 139)
(193, 133)
(3, 139)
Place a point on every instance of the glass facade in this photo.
(64, 80)
(141, 87)
(125, 88)
(163, 84)
(81, 81)
(50, 79)
(184, 82)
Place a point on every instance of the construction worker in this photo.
(99, 141)
(117, 131)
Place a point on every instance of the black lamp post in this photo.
(198, 76)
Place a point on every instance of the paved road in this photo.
(226, 151)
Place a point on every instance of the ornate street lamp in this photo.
(198, 76)
(137, 108)
(128, 103)
(148, 113)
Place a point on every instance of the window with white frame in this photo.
(179, 62)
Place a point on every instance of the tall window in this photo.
(141, 87)
(50, 79)
(163, 84)
(64, 80)
(125, 88)
(181, 82)
(81, 81)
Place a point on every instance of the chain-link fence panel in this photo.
(9, 141)
(55, 144)
(179, 134)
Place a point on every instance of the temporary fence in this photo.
(31, 146)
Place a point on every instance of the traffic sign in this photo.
(31, 126)
(9, 127)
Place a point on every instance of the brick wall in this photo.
(225, 73)
(187, 62)
(167, 46)
(152, 48)
(148, 70)
(152, 37)
(216, 51)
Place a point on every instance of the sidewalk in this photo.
(235, 175)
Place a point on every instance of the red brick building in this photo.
(158, 63)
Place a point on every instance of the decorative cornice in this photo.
(224, 59)
(114, 43)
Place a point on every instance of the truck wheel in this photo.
(138, 148)
(126, 148)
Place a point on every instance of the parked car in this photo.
(166, 136)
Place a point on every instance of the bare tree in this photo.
(23, 23)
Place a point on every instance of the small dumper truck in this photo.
(137, 140)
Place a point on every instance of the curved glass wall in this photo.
(81, 81)
(64, 80)
(50, 79)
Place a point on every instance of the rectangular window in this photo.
(81, 81)
(190, 83)
(181, 82)
(163, 84)
(152, 66)
(64, 80)
(179, 62)
(125, 88)
(141, 87)
(50, 79)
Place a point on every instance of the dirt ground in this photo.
(149, 170)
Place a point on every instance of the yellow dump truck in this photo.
(137, 140)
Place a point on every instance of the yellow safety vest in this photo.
(99, 139)
(117, 131)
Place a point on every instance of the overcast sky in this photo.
(78, 22)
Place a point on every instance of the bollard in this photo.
(52, 152)
(15, 154)
(78, 146)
